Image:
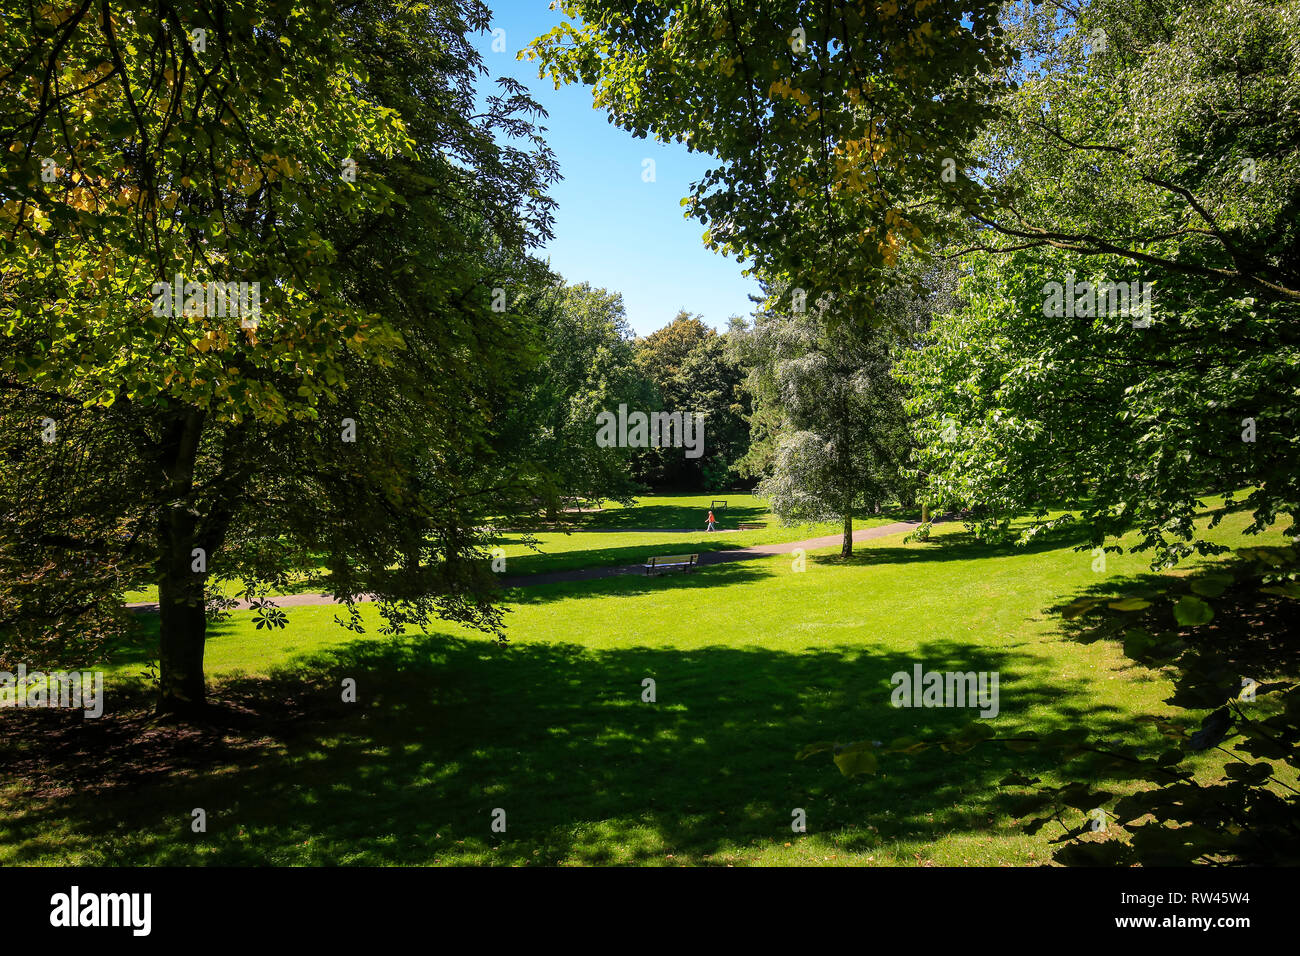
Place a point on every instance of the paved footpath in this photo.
(593, 574)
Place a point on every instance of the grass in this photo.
(558, 551)
(621, 535)
(750, 661)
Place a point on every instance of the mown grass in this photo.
(619, 535)
(559, 551)
(751, 661)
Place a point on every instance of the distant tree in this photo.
(716, 384)
(829, 431)
(688, 365)
(585, 365)
(662, 353)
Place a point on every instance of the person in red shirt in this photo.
(710, 527)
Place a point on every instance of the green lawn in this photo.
(751, 660)
(619, 542)
(561, 551)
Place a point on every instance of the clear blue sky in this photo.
(611, 228)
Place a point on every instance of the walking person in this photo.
(710, 527)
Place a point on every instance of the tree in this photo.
(273, 144)
(1159, 133)
(829, 422)
(585, 365)
(717, 390)
(1048, 388)
(1153, 152)
(691, 372)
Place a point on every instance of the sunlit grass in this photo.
(750, 661)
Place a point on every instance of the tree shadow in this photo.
(1252, 634)
(634, 581)
(446, 730)
(532, 564)
(962, 546)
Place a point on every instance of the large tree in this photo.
(270, 143)
(1156, 145)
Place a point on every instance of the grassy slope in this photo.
(751, 662)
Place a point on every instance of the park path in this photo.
(593, 574)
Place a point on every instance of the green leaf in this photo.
(1214, 729)
(1212, 585)
(1129, 604)
(1192, 611)
(854, 762)
(1079, 607)
(820, 746)
(1287, 589)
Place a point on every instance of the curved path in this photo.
(593, 574)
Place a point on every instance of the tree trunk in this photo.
(183, 625)
(846, 549)
(182, 616)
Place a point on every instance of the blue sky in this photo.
(611, 228)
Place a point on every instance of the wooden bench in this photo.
(719, 504)
(669, 561)
(751, 526)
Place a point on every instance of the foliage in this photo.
(828, 420)
(831, 122)
(586, 365)
(272, 144)
(1146, 145)
(691, 371)
(1158, 132)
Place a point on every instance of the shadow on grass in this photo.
(636, 582)
(961, 546)
(697, 541)
(953, 546)
(1252, 634)
(446, 730)
(550, 563)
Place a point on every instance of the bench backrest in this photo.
(675, 559)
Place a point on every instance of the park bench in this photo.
(668, 561)
(752, 526)
(718, 504)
